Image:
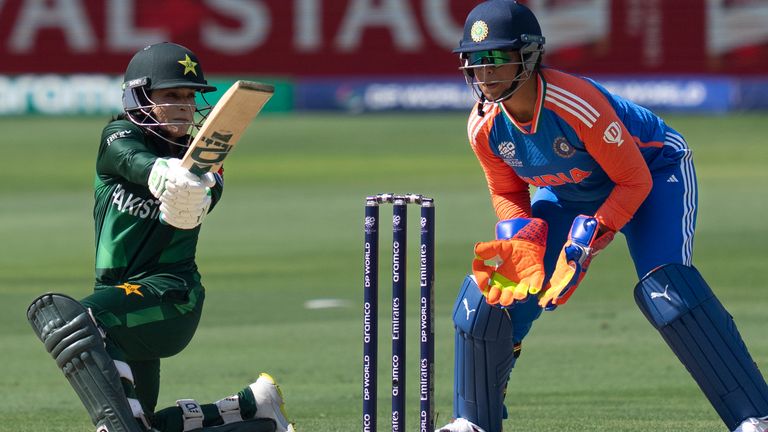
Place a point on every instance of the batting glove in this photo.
(184, 189)
(162, 169)
(586, 238)
(185, 216)
(184, 197)
(519, 261)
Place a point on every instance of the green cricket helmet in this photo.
(493, 29)
(165, 65)
(160, 66)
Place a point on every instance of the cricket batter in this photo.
(601, 165)
(148, 296)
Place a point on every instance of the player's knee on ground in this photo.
(679, 303)
(484, 356)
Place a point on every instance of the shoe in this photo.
(269, 402)
(460, 425)
(753, 424)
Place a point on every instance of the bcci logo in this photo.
(370, 221)
(479, 31)
(507, 151)
(562, 148)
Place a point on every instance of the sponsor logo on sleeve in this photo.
(612, 134)
(118, 135)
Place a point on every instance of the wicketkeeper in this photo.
(601, 165)
(148, 296)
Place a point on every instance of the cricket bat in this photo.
(225, 126)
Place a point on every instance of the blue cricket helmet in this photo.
(500, 25)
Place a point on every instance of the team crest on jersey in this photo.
(507, 151)
(563, 148)
(130, 288)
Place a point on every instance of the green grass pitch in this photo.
(289, 230)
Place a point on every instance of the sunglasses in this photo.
(488, 57)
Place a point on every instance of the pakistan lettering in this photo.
(134, 205)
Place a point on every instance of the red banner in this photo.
(378, 37)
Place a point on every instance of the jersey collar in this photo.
(531, 126)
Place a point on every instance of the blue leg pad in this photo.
(679, 303)
(484, 356)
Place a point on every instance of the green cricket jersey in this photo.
(132, 245)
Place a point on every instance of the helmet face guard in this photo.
(163, 66)
(140, 109)
(473, 61)
(493, 29)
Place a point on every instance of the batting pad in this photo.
(679, 303)
(484, 356)
(72, 338)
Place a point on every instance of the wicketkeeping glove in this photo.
(585, 240)
(519, 252)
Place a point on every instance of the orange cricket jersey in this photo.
(584, 143)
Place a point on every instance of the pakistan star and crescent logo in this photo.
(130, 288)
(479, 31)
(189, 65)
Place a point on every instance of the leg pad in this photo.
(681, 306)
(70, 335)
(484, 357)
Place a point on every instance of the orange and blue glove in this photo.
(586, 238)
(519, 255)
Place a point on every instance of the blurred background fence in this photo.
(67, 56)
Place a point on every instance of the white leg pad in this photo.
(192, 413)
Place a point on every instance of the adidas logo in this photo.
(672, 179)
